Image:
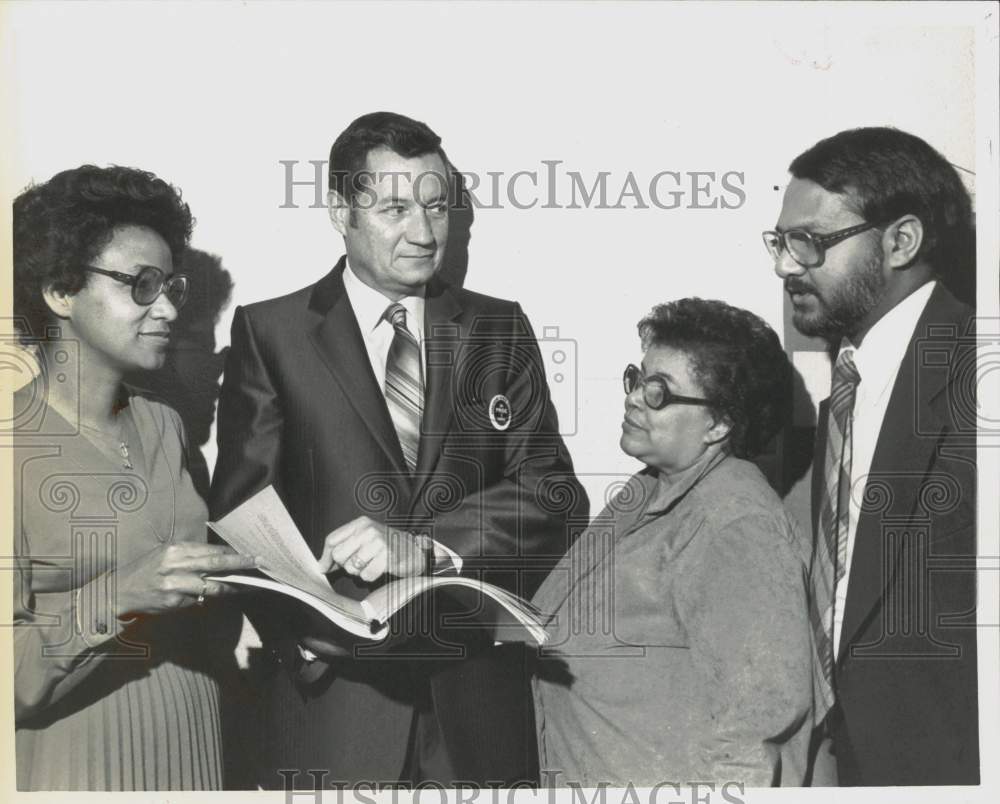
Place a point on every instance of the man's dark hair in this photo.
(64, 224)
(885, 174)
(736, 358)
(402, 135)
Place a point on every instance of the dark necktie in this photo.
(404, 386)
(829, 561)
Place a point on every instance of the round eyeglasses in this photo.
(149, 283)
(806, 248)
(655, 392)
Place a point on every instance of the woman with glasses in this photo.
(115, 662)
(681, 644)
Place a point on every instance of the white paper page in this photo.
(385, 601)
(262, 527)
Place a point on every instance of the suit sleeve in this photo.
(518, 524)
(250, 425)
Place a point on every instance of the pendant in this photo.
(126, 460)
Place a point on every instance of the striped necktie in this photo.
(830, 557)
(404, 385)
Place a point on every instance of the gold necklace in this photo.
(123, 449)
(122, 443)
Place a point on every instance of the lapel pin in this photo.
(500, 412)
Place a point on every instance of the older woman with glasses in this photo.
(115, 666)
(681, 647)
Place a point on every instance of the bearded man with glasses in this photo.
(874, 228)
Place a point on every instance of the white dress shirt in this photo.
(877, 360)
(369, 308)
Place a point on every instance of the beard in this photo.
(841, 309)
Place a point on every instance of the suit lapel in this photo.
(442, 346)
(338, 340)
(903, 456)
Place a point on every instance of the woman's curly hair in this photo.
(736, 358)
(64, 224)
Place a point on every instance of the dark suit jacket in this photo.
(905, 676)
(301, 409)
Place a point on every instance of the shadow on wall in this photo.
(786, 461)
(460, 217)
(796, 451)
(961, 279)
(189, 380)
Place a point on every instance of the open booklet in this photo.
(262, 527)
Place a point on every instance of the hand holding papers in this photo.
(369, 549)
(262, 527)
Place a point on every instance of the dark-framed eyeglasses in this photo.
(655, 392)
(806, 248)
(149, 283)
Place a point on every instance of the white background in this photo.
(211, 97)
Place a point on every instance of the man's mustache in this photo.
(794, 284)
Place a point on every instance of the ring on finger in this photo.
(359, 563)
(200, 601)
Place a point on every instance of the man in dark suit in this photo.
(408, 428)
(874, 225)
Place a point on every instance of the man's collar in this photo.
(369, 305)
(883, 347)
